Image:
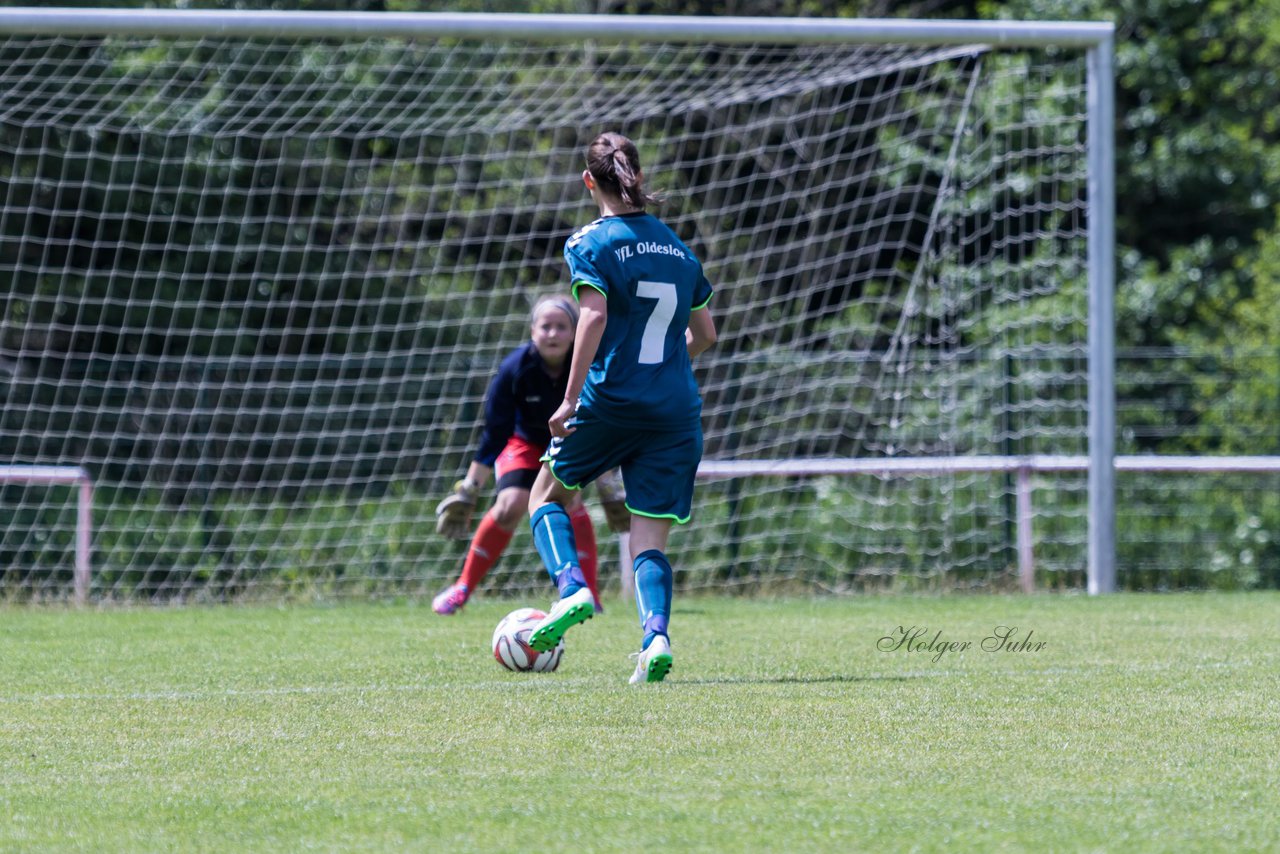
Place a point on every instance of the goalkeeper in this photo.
(529, 386)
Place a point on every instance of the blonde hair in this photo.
(563, 303)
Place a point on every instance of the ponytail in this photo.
(614, 163)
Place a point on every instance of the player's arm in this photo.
(701, 333)
(593, 314)
(499, 414)
(454, 512)
(478, 474)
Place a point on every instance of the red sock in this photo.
(486, 547)
(584, 536)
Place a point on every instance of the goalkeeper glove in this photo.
(453, 514)
(613, 499)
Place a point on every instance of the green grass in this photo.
(1145, 723)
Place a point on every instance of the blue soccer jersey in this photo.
(641, 375)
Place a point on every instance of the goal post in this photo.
(1101, 341)
(265, 264)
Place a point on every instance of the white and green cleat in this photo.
(654, 663)
(573, 609)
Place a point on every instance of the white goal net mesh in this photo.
(257, 288)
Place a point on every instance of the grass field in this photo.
(1143, 723)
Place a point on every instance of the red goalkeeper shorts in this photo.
(518, 464)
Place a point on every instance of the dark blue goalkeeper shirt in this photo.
(520, 400)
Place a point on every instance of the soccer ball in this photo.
(511, 643)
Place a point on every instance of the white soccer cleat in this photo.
(654, 663)
(573, 609)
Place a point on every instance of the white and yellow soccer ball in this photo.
(511, 643)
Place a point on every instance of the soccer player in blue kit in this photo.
(632, 400)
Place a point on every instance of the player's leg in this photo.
(490, 540)
(659, 481)
(494, 534)
(653, 588)
(584, 537)
(570, 464)
(516, 469)
(553, 536)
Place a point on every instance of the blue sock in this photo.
(553, 537)
(653, 593)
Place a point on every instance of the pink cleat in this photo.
(451, 599)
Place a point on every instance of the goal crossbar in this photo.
(194, 22)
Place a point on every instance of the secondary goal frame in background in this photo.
(66, 476)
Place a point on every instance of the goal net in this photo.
(256, 286)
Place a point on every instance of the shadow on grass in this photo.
(799, 680)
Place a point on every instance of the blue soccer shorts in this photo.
(658, 467)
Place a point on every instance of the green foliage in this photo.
(1240, 404)
(1197, 152)
(1219, 535)
(1198, 164)
(1198, 160)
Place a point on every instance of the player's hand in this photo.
(453, 514)
(613, 500)
(559, 422)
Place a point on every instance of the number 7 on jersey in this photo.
(652, 345)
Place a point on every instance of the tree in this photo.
(1197, 148)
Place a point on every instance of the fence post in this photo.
(1026, 545)
(84, 537)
